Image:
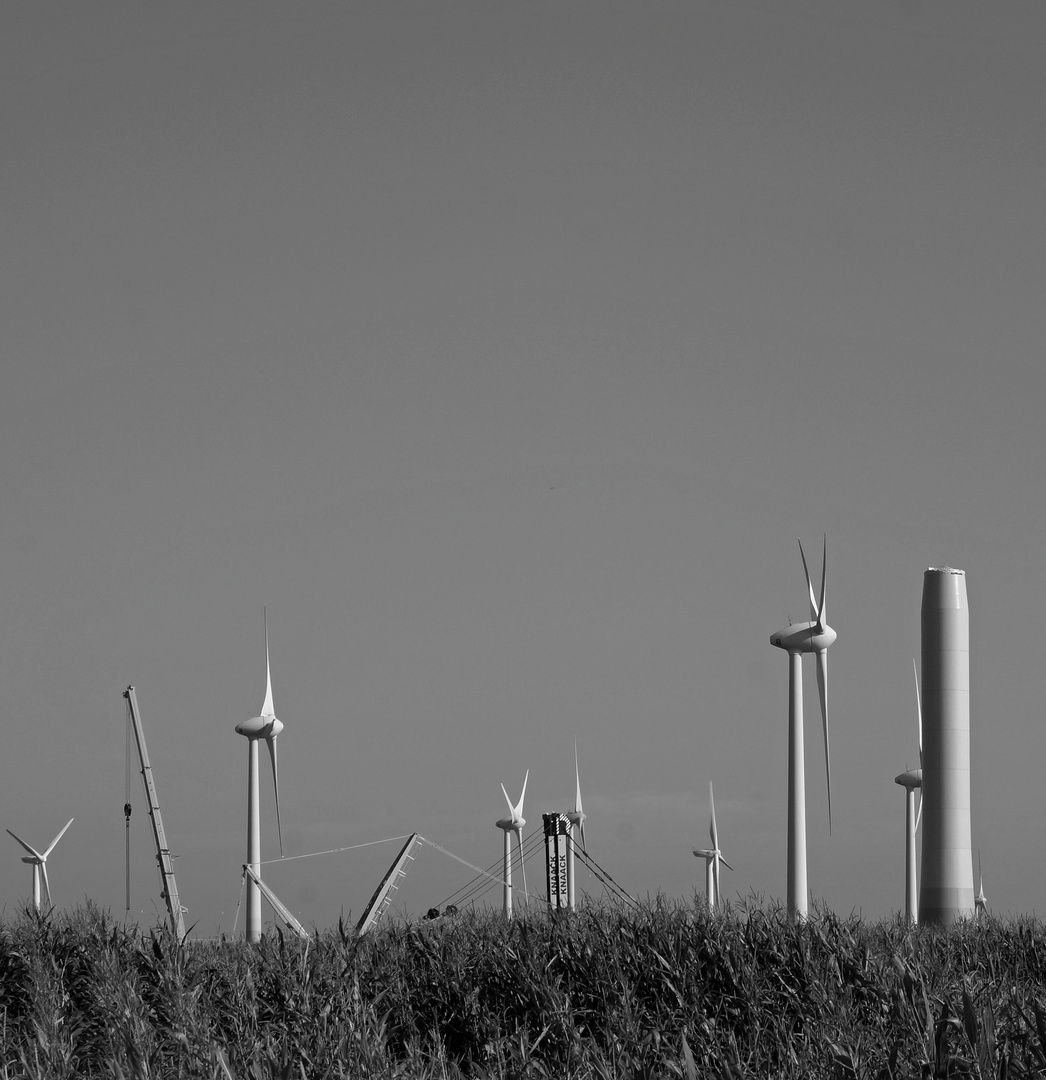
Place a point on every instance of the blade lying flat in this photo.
(28, 847)
(267, 709)
(822, 689)
(270, 741)
(41, 869)
(919, 708)
(58, 837)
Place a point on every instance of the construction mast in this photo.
(169, 890)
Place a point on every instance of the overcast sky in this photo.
(503, 350)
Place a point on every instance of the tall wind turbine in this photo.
(267, 727)
(38, 861)
(576, 817)
(513, 824)
(912, 781)
(814, 637)
(713, 857)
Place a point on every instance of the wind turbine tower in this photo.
(814, 637)
(267, 727)
(912, 781)
(513, 824)
(946, 892)
(38, 861)
(713, 857)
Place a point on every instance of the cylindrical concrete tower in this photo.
(946, 892)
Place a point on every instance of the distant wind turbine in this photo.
(713, 857)
(980, 901)
(576, 817)
(912, 781)
(267, 727)
(38, 861)
(513, 824)
(815, 637)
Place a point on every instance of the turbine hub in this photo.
(259, 727)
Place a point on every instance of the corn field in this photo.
(669, 990)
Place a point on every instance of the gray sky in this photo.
(503, 350)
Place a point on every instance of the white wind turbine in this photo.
(911, 781)
(38, 861)
(980, 901)
(576, 817)
(513, 824)
(266, 727)
(713, 857)
(815, 637)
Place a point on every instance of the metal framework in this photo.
(169, 890)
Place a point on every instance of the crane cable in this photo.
(127, 815)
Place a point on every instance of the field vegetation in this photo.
(669, 990)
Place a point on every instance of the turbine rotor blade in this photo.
(58, 837)
(713, 832)
(577, 778)
(581, 829)
(508, 801)
(270, 742)
(522, 864)
(726, 864)
(715, 880)
(517, 811)
(809, 585)
(822, 689)
(919, 709)
(824, 581)
(43, 877)
(28, 847)
(919, 810)
(267, 709)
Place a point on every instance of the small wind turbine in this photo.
(513, 824)
(267, 727)
(576, 817)
(713, 857)
(815, 637)
(38, 861)
(911, 781)
(980, 901)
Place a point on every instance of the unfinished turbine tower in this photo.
(946, 892)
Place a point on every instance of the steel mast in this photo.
(169, 890)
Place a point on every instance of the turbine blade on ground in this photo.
(58, 837)
(270, 741)
(28, 847)
(822, 690)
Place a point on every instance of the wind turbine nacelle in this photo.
(803, 637)
(510, 824)
(259, 727)
(913, 778)
(29, 859)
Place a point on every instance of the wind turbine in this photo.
(267, 727)
(815, 637)
(38, 861)
(576, 817)
(713, 857)
(911, 781)
(513, 824)
(980, 901)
